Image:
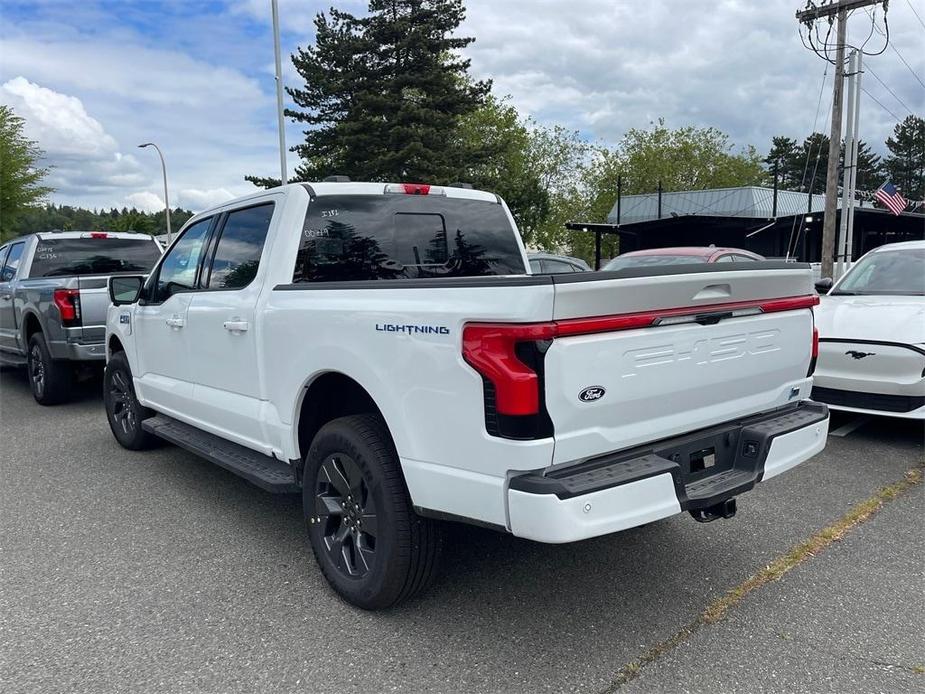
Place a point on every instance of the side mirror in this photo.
(824, 285)
(125, 289)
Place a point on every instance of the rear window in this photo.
(653, 260)
(381, 237)
(93, 256)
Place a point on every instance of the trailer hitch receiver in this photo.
(724, 509)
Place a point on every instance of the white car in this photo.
(872, 335)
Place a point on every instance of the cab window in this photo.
(178, 271)
(11, 264)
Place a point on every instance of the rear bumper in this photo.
(77, 350)
(904, 406)
(624, 490)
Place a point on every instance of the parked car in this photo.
(550, 264)
(872, 334)
(381, 349)
(53, 301)
(681, 255)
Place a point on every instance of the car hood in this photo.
(884, 318)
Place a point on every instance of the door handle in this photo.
(236, 326)
(6, 297)
(175, 322)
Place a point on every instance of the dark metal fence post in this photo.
(619, 196)
(660, 199)
(774, 210)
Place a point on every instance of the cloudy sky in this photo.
(95, 78)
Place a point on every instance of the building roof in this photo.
(747, 201)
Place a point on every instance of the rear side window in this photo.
(93, 256)
(557, 267)
(237, 255)
(381, 237)
(11, 264)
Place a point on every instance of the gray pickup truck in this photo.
(54, 298)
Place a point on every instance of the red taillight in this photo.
(99, 235)
(814, 353)
(416, 188)
(791, 303)
(490, 349)
(67, 301)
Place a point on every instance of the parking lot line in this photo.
(814, 545)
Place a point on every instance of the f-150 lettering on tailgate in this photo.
(699, 352)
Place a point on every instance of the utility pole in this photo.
(843, 253)
(849, 241)
(839, 9)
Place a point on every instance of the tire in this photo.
(49, 379)
(373, 549)
(123, 410)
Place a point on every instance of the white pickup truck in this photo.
(382, 350)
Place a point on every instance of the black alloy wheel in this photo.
(37, 371)
(123, 410)
(346, 513)
(123, 404)
(49, 379)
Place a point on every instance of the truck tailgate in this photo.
(671, 353)
(94, 303)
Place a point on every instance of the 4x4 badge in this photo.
(592, 393)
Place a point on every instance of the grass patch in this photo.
(818, 542)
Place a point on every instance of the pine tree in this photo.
(905, 164)
(870, 169)
(384, 93)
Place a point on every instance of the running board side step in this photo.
(261, 470)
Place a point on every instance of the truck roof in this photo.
(324, 188)
(49, 235)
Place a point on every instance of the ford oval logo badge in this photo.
(592, 393)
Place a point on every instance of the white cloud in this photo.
(82, 156)
(197, 200)
(59, 121)
(145, 201)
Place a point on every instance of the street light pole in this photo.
(166, 199)
(279, 95)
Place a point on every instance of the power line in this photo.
(902, 103)
(896, 51)
(877, 101)
(793, 229)
(912, 7)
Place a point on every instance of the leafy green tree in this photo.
(384, 93)
(505, 161)
(687, 158)
(68, 218)
(20, 175)
(133, 220)
(905, 163)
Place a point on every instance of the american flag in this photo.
(889, 196)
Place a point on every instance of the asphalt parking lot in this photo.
(159, 572)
